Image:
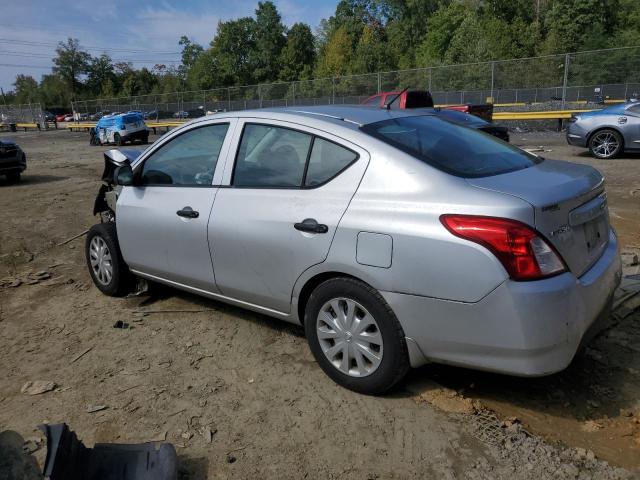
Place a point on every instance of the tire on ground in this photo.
(121, 280)
(395, 358)
(593, 143)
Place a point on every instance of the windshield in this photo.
(452, 148)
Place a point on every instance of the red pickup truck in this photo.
(423, 99)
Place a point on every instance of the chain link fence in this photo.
(24, 113)
(594, 76)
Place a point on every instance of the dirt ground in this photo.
(240, 395)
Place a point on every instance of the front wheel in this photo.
(605, 144)
(355, 336)
(117, 139)
(104, 259)
(13, 177)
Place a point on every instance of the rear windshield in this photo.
(458, 150)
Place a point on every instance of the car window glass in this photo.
(375, 101)
(451, 148)
(271, 156)
(635, 109)
(188, 159)
(326, 161)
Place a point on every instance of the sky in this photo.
(145, 32)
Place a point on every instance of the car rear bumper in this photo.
(520, 328)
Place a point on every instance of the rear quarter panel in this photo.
(404, 198)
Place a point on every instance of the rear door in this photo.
(162, 221)
(278, 210)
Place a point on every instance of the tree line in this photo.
(362, 36)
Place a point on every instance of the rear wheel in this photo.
(355, 336)
(145, 139)
(605, 143)
(106, 266)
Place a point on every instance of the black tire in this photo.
(13, 177)
(145, 139)
(601, 148)
(118, 139)
(121, 280)
(395, 357)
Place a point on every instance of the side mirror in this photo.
(123, 175)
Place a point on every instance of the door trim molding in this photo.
(222, 298)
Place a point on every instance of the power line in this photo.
(11, 53)
(23, 66)
(14, 41)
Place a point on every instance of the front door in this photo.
(286, 194)
(162, 220)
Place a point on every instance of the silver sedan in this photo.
(607, 132)
(395, 238)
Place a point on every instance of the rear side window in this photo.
(271, 156)
(634, 109)
(458, 150)
(326, 161)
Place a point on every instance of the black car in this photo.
(13, 161)
(472, 121)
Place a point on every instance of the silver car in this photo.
(396, 238)
(607, 132)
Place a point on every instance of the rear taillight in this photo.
(523, 252)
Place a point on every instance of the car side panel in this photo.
(427, 260)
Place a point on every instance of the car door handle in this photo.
(188, 212)
(311, 225)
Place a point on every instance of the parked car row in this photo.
(394, 237)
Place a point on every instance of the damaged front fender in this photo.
(108, 194)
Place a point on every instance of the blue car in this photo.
(119, 129)
(607, 132)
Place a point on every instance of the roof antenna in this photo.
(388, 104)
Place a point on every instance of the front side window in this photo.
(271, 156)
(187, 160)
(458, 150)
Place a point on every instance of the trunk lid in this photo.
(569, 203)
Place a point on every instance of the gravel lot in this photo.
(240, 395)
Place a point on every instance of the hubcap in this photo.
(349, 337)
(100, 258)
(605, 144)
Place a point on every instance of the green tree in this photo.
(99, 73)
(270, 39)
(371, 53)
(575, 24)
(54, 91)
(298, 55)
(335, 57)
(26, 89)
(70, 63)
(190, 52)
(231, 60)
(441, 28)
